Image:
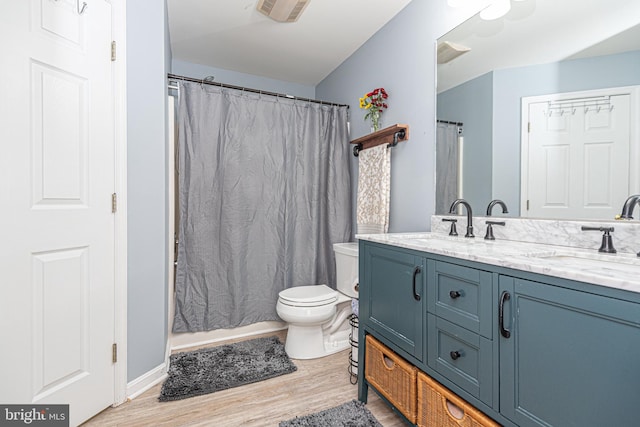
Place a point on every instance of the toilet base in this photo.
(309, 342)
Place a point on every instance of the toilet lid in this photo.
(309, 295)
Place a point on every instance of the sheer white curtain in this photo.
(264, 188)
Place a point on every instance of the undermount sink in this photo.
(478, 245)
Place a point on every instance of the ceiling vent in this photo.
(282, 10)
(448, 51)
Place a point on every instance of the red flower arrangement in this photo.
(375, 103)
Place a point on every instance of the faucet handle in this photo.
(453, 231)
(607, 240)
(489, 235)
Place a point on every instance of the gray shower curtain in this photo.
(447, 164)
(264, 188)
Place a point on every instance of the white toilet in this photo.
(318, 316)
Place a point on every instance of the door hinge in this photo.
(527, 205)
(528, 127)
(114, 203)
(114, 353)
(113, 50)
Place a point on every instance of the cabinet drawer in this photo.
(392, 376)
(462, 295)
(462, 356)
(440, 407)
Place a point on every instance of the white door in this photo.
(56, 180)
(578, 158)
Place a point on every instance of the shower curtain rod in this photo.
(247, 89)
(449, 123)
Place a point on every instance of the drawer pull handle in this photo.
(416, 296)
(389, 363)
(505, 296)
(455, 355)
(454, 410)
(454, 294)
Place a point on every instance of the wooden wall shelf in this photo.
(390, 135)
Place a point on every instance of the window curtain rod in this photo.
(209, 81)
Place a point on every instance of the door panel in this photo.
(578, 158)
(59, 126)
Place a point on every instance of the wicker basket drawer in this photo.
(439, 407)
(392, 376)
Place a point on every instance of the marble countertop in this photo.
(621, 270)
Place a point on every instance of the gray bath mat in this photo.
(350, 414)
(204, 371)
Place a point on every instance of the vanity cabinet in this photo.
(525, 349)
(392, 302)
(572, 358)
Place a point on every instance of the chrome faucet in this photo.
(497, 202)
(466, 204)
(629, 204)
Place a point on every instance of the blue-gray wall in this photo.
(198, 71)
(401, 58)
(146, 185)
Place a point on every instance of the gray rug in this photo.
(350, 414)
(204, 371)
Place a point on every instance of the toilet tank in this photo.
(346, 268)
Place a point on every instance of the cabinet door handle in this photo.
(454, 294)
(455, 355)
(505, 296)
(416, 296)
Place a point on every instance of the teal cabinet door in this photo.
(392, 296)
(567, 358)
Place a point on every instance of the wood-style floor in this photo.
(318, 384)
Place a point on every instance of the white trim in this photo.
(120, 118)
(634, 132)
(145, 381)
(171, 208)
(188, 340)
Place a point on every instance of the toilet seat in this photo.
(308, 296)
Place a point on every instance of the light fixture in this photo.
(494, 9)
(459, 3)
(448, 51)
(282, 10)
(497, 9)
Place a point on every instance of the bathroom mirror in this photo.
(539, 47)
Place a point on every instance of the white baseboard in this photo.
(144, 382)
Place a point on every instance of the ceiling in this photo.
(233, 35)
(540, 32)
